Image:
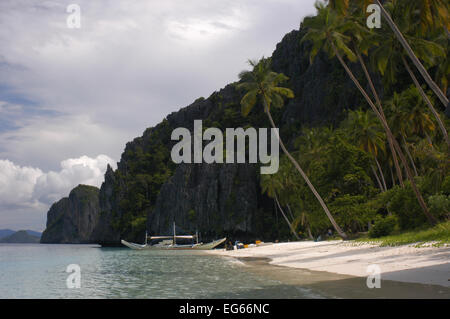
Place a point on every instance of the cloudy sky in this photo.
(71, 98)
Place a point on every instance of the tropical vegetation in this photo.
(354, 172)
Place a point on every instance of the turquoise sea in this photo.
(39, 271)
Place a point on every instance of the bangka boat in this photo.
(170, 243)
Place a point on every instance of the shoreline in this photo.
(404, 264)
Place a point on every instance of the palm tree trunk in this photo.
(405, 145)
(309, 233)
(287, 220)
(381, 174)
(412, 56)
(392, 176)
(290, 211)
(377, 178)
(380, 108)
(302, 173)
(308, 229)
(420, 199)
(428, 102)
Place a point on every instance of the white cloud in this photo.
(17, 183)
(44, 143)
(66, 92)
(30, 191)
(51, 186)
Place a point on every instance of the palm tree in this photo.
(369, 137)
(270, 185)
(388, 55)
(433, 14)
(261, 83)
(361, 41)
(399, 121)
(429, 104)
(434, 6)
(421, 123)
(325, 31)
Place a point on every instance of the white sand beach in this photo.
(425, 265)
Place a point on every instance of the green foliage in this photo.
(439, 205)
(263, 85)
(383, 226)
(439, 234)
(403, 203)
(337, 160)
(446, 185)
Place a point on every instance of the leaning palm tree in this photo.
(434, 6)
(388, 55)
(262, 84)
(326, 31)
(361, 41)
(432, 14)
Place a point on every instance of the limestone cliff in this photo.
(148, 191)
(72, 219)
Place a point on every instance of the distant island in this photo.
(20, 237)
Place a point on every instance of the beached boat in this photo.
(170, 243)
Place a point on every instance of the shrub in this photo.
(403, 203)
(446, 186)
(383, 227)
(439, 205)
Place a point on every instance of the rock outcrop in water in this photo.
(73, 219)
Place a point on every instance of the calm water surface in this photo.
(39, 271)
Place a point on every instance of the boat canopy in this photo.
(171, 237)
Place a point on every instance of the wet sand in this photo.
(339, 269)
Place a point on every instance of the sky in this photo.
(70, 98)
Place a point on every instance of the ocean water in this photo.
(39, 271)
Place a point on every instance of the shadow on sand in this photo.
(331, 285)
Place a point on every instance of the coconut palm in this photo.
(388, 55)
(369, 136)
(421, 122)
(312, 143)
(433, 6)
(433, 14)
(361, 43)
(399, 121)
(348, 7)
(262, 84)
(326, 31)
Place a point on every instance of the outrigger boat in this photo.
(170, 242)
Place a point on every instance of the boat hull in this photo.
(202, 246)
